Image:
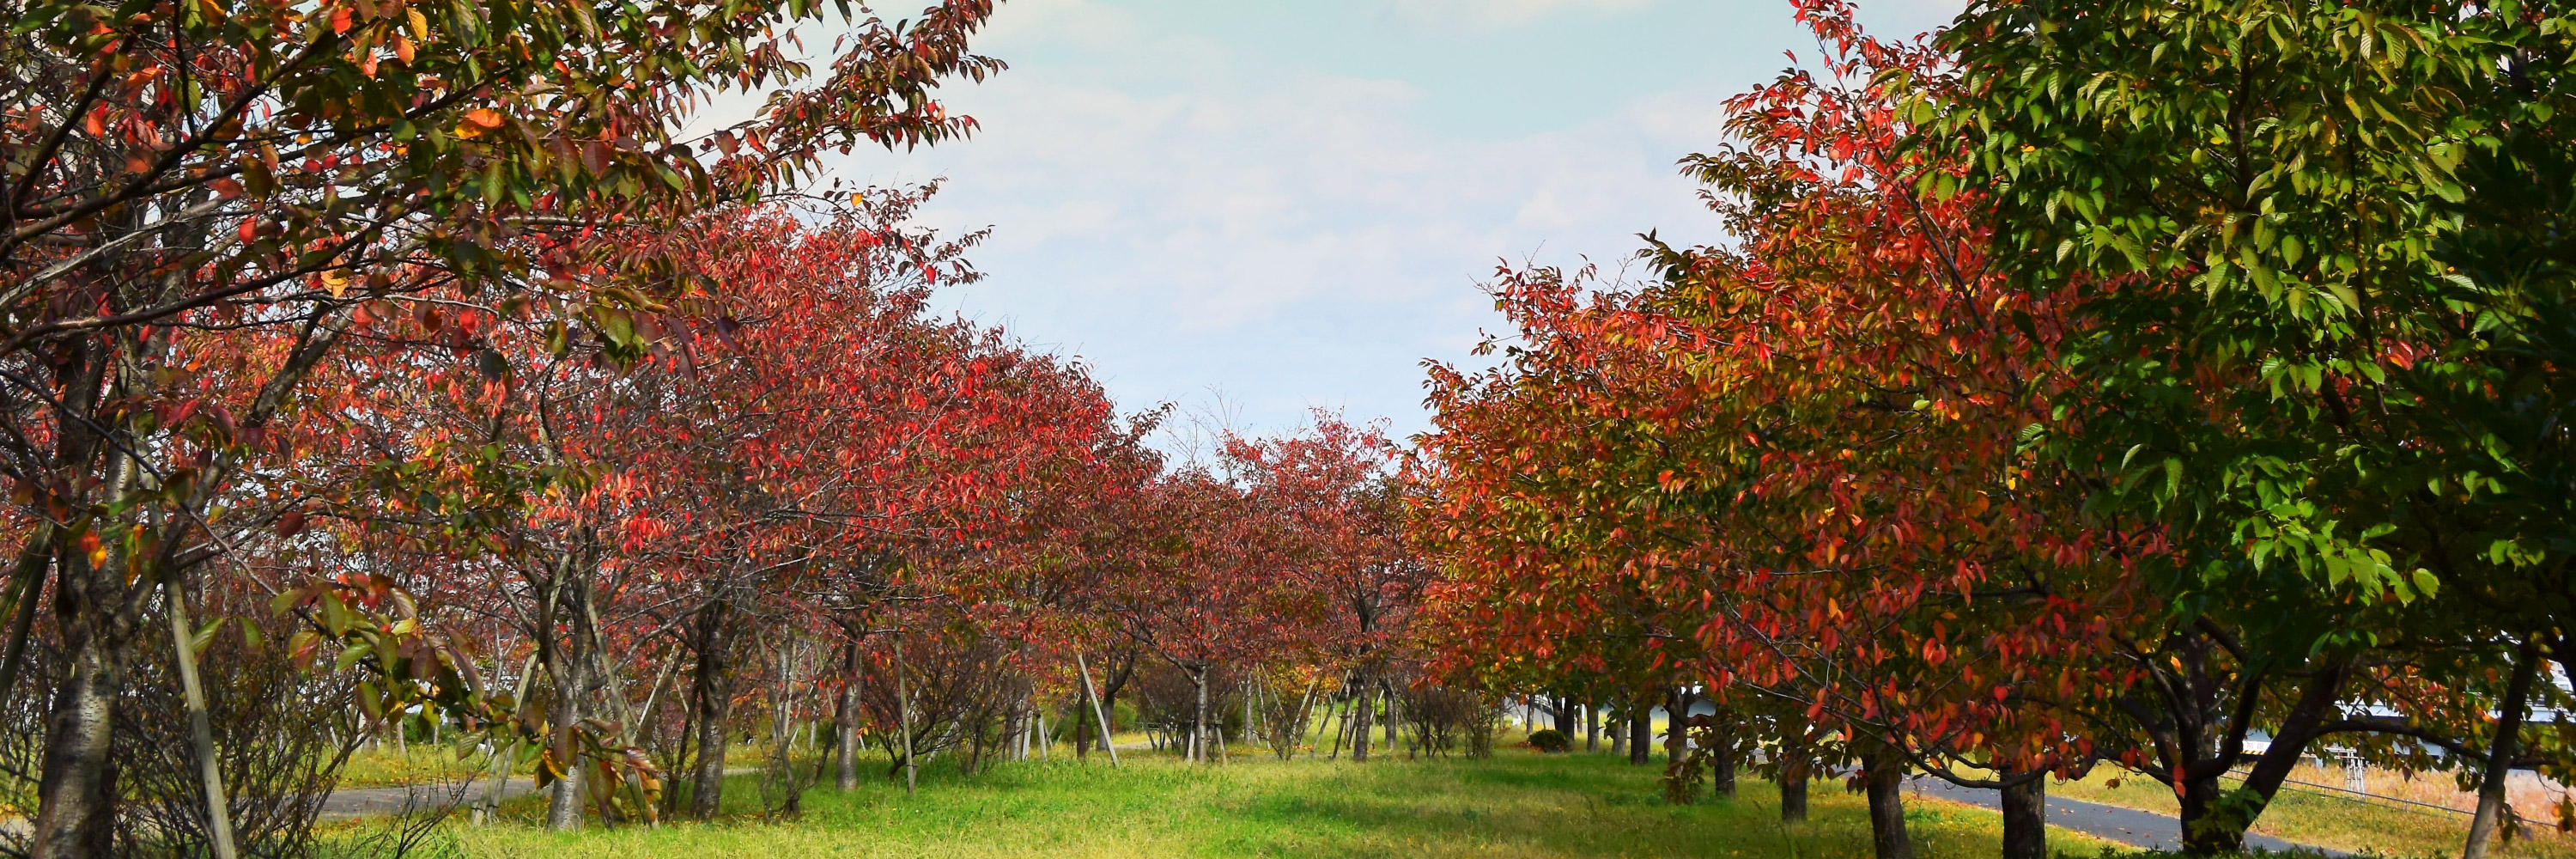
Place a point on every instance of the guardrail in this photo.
(2366, 797)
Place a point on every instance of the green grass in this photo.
(1517, 804)
(421, 763)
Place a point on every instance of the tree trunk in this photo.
(1591, 728)
(1619, 731)
(1199, 718)
(1676, 727)
(2200, 798)
(567, 602)
(563, 808)
(2499, 764)
(2210, 826)
(1111, 683)
(1564, 718)
(1884, 774)
(1721, 760)
(1341, 729)
(845, 722)
(711, 693)
(26, 592)
(1641, 732)
(1386, 692)
(1793, 789)
(501, 755)
(1082, 726)
(76, 789)
(1107, 703)
(2026, 819)
(1360, 723)
(782, 728)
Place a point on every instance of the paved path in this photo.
(2129, 826)
(368, 801)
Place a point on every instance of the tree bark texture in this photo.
(711, 695)
(1676, 729)
(76, 812)
(1360, 724)
(563, 808)
(2025, 807)
(845, 722)
(1884, 777)
(2498, 773)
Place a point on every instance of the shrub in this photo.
(1548, 740)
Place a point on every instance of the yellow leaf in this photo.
(419, 24)
(336, 280)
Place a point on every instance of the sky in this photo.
(1258, 208)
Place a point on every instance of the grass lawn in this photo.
(1517, 804)
(422, 762)
(2327, 821)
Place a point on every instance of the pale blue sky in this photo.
(1292, 202)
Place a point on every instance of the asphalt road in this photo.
(2129, 826)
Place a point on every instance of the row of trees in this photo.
(2093, 384)
(367, 364)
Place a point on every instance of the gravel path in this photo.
(2129, 826)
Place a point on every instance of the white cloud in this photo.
(1189, 212)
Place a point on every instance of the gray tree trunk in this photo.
(563, 809)
(76, 811)
(845, 723)
(1676, 726)
(1360, 723)
(2493, 782)
(1199, 717)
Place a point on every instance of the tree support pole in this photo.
(219, 819)
(1098, 717)
(903, 714)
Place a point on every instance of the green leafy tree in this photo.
(2315, 254)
